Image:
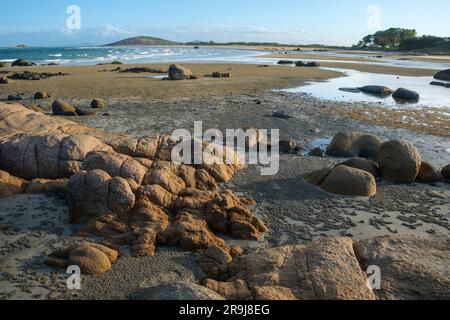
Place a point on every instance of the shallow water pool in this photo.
(430, 96)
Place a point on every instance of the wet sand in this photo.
(312, 56)
(99, 82)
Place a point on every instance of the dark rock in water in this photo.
(363, 164)
(14, 97)
(98, 104)
(281, 115)
(446, 172)
(351, 90)
(178, 291)
(285, 62)
(405, 94)
(218, 74)
(317, 152)
(288, 146)
(143, 70)
(42, 95)
(177, 72)
(354, 145)
(428, 173)
(443, 75)
(376, 90)
(62, 108)
(22, 63)
(313, 64)
(440, 84)
(399, 161)
(196, 47)
(300, 64)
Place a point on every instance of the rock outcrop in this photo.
(35, 76)
(323, 270)
(126, 189)
(91, 258)
(399, 161)
(22, 63)
(10, 185)
(354, 145)
(411, 268)
(177, 72)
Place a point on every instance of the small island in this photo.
(142, 41)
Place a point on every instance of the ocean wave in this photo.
(55, 55)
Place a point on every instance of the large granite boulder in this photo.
(349, 181)
(443, 75)
(399, 161)
(428, 173)
(376, 90)
(354, 145)
(363, 164)
(62, 108)
(402, 94)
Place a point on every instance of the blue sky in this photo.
(341, 22)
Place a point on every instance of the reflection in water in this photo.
(430, 96)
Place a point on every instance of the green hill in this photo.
(142, 41)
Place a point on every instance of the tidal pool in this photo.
(430, 96)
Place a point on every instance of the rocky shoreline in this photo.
(295, 211)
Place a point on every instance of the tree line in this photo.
(401, 39)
